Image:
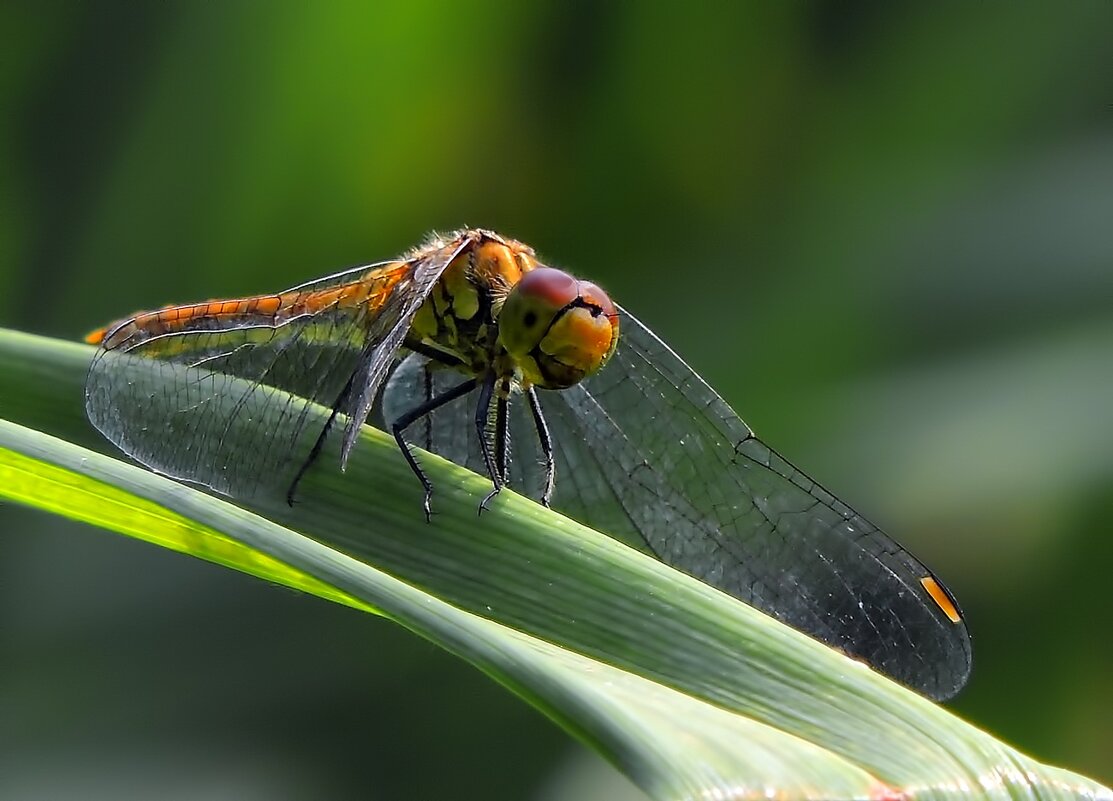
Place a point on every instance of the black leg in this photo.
(546, 446)
(341, 399)
(502, 435)
(403, 422)
(482, 412)
(427, 374)
(502, 442)
(434, 355)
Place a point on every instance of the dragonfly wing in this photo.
(648, 448)
(260, 363)
(647, 452)
(387, 332)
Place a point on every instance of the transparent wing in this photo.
(648, 441)
(648, 452)
(260, 362)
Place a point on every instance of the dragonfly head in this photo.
(559, 330)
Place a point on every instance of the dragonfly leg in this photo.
(482, 418)
(427, 375)
(502, 435)
(320, 443)
(502, 449)
(546, 446)
(406, 420)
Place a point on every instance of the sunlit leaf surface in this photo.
(688, 691)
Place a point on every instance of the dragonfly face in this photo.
(557, 330)
(448, 348)
(496, 310)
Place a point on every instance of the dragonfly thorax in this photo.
(496, 309)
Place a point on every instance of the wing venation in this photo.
(649, 453)
(230, 372)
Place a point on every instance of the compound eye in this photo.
(549, 286)
(531, 307)
(558, 329)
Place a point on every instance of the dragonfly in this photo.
(472, 348)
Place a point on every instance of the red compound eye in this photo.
(560, 330)
(555, 288)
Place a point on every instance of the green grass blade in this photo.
(672, 744)
(586, 616)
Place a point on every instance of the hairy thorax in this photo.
(458, 322)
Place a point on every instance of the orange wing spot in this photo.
(941, 598)
(96, 337)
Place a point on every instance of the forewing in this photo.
(259, 362)
(648, 448)
(387, 334)
(647, 452)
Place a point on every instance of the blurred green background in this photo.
(883, 232)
